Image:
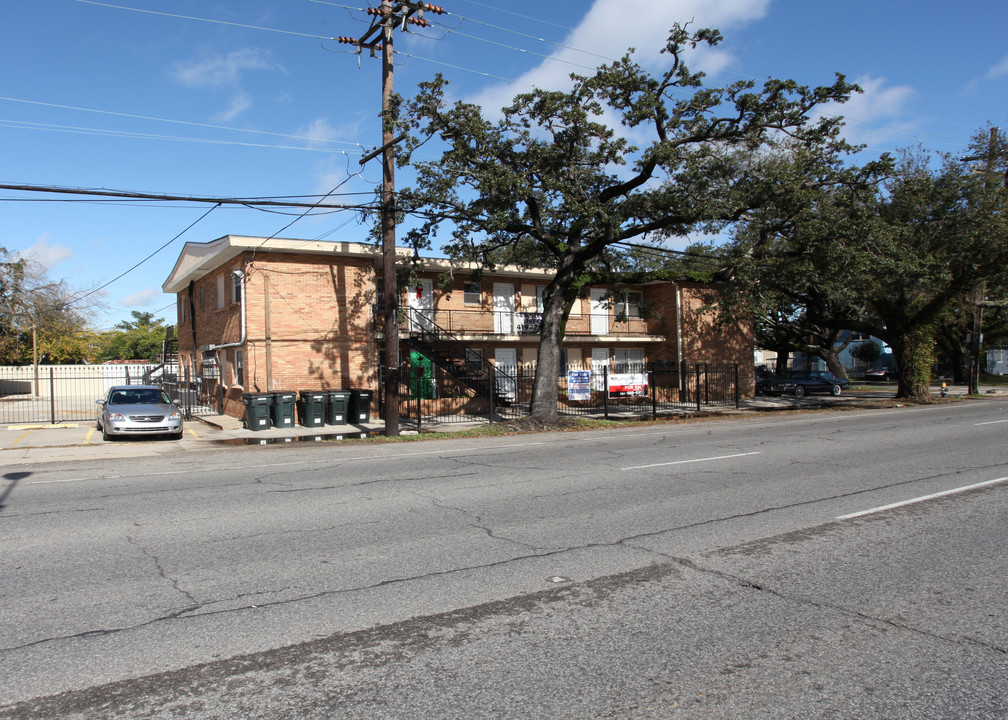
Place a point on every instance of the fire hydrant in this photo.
(944, 389)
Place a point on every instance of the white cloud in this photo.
(999, 69)
(143, 298)
(320, 131)
(239, 104)
(222, 70)
(869, 116)
(612, 26)
(48, 256)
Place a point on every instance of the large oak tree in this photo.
(558, 180)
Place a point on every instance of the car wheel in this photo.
(104, 433)
(836, 390)
(799, 390)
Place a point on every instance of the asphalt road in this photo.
(701, 570)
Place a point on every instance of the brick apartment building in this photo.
(258, 315)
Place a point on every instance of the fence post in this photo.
(654, 399)
(706, 383)
(698, 387)
(605, 391)
(737, 402)
(490, 390)
(52, 396)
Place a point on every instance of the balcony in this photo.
(481, 324)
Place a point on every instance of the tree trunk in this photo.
(833, 364)
(913, 351)
(545, 394)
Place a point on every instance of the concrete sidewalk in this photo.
(39, 442)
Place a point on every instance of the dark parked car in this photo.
(801, 383)
(138, 410)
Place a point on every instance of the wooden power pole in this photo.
(385, 19)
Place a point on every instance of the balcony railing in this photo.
(482, 322)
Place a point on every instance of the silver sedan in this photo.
(130, 410)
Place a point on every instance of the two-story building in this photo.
(276, 314)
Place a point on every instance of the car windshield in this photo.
(145, 396)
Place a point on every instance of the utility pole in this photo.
(981, 290)
(385, 19)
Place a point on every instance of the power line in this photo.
(127, 272)
(266, 202)
(210, 126)
(206, 20)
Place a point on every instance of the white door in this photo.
(506, 365)
(600, 361)
(504, 308)
(421, 305)
(599, 311)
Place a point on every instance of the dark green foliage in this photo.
(550, 184)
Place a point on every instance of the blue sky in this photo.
(250, 98)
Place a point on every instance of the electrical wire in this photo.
(210, 126)
(206, 20)
(127, 272)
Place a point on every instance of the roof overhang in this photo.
(199, 259)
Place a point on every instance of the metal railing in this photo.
(431, 394)
(67, 393)
(495, 322)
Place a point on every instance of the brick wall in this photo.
(310, 324)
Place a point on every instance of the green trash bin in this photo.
(360, 406)
(282, 410)
(311, 408)
(257, 410)
(337, 407)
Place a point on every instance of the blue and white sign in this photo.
(579, 385)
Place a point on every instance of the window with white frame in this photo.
(236, 286)
(239, 368)
(628, 305)
(628, 360)
(472, 293)
(221, 298)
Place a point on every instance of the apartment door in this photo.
(600, 362)
(421, 305)
(599, 311)
(506, 367)
(504, 308)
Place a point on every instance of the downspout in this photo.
(678, 330)
(238, 276)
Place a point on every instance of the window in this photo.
(628, 306)
(182, 309)
(202, 297)
(473, 293)
(628, 360)
(474, 360)
(236, 286)
(239, 368)
(220, 292)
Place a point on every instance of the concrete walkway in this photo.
(41, 442)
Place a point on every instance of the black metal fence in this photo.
(429, 394)
(67, 393)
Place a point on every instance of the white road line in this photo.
(923, 498)
(992, 422)
(684, 462)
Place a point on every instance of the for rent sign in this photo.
(628, 385)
